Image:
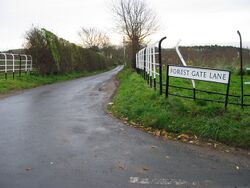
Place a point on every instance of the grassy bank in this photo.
(138, 103)
(31, 81)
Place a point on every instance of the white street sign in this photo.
(209, 75)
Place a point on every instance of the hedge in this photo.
(54, 55)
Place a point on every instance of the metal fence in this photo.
(15, 63)
(149, 65)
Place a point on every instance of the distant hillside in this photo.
(16, 51)
(208, 56)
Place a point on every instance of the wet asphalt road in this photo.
(59, 136)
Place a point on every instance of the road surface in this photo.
(59, 136)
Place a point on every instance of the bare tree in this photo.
(135, 20)
(94, 38)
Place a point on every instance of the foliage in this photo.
(53, 45)
(142, 105)
(53, 55)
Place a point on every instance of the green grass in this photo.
(31, 81)
(139, 103)
(235, 88)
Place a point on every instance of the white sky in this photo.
(196, 22)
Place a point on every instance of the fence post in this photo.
(160, 63)
(144, 59)
(228, 86)
(241, 71)
(26, 63)
(31, 63)
(13, 65)
(20, 59)
(150, 66)
(5, 65)
(154, 67)
(167, 82)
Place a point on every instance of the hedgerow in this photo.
(54, 55)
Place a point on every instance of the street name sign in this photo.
(203, 74)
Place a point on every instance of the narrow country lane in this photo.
(59, 136)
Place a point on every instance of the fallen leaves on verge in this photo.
(162, 133)
(183, 137)
(188, 138)
(157, 133)
(191, 139)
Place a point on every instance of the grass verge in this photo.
(31, 81)
(139, 104)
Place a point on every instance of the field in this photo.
(234, 88)
(140, 104)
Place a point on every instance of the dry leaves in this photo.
(183, 137)
(191, 139)
(157, 133)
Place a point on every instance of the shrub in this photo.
(52, 55)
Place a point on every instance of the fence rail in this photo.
(148, 62)
(13, 63)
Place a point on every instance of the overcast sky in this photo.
(195, 22)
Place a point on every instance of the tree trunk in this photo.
(135, 49)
